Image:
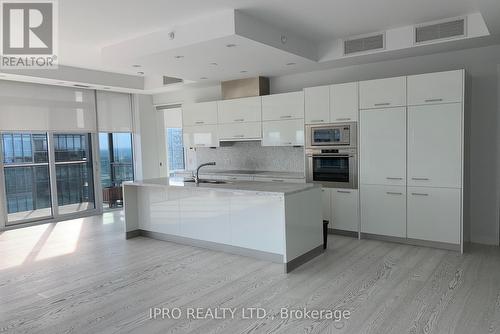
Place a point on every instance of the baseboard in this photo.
(414, 242)
(132, 234)
(343, 232)
(298, 261)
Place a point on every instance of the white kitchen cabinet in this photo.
(317, 105)
(434, 214)
(204, 113)
(383, 210)
(432, 88)
(283, 106)
(200, 136)
(383, 146)
(248, 109)
(326, 199)
(283, 133)
(239, 131)
(280, 180)
(345, 209)
(344, 105)
(382, 93)
(435, 145)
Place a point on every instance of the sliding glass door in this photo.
(47, 175)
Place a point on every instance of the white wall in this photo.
(481, 65)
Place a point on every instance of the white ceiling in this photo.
(87, 26)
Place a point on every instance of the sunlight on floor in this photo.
(18, 244)
(62, 240)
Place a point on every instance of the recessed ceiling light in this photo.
(203, 78)
(214, 64)
(140, 73)
(243, 71)
(178, 57)
(290, 64)
(230, 45)
(136, 65)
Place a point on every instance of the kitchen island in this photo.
(276, 222)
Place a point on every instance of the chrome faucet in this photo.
(196, 177)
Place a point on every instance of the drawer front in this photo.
(382, 93)
(383, 210)
(204, 113)
(434, 214)
(248, 109)
(435, 88)
(236, 131)
(283, 106)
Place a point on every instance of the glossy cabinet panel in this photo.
(383, 210)
(204, 113)
(344, 105)
(283, 106)
(238, 131)
(383, 146)
(345, 209)
(435, 145)
(200, 136)
(382, 93)
(283, 133)
(434, 214)
(317, 105)
(248, 109)
(435, 88)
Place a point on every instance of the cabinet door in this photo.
(235, 131)
(344, 102)
(248, 109)
(283, 106)
(390, 92)
(283, 133)
(317, 105)
(326, 199)
(199, 113)
(435, 145)
(432, 88)
(345, 209)
(434, 214)
(200, 136)
(383, 210)
(383, 146)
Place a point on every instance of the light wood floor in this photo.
(81, 276)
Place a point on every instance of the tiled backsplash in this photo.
(250, 156)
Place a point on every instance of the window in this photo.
(26, 173)
(175, 149)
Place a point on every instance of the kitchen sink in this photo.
(208, 181)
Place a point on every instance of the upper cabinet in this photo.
(283, 106)
(432, 88)
(204, 113)
(283, 133)
(200, 136)
(248, 109)
(317, 105)
(382, 93)
(344, 102)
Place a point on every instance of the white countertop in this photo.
(249, 186)
(257, 173)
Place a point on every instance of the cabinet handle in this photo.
(317, 120)
(278, 180)
(434, 100)
(393, 193)
(287, 116)
(344, 191)
(420, 194)
(420, 178)
(199, 122)
(238, 136)
(344, 119)
(239, 120)
(382, 104)
(394, 178)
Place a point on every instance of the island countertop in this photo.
(247, 186)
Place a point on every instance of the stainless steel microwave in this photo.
(335, 134)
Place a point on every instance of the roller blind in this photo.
(114, 112)
(35, 107)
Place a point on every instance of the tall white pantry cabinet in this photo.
(412, 158)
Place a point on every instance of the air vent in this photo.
(363, 44)
(170, 80)
(438, 31)
(81, 86)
